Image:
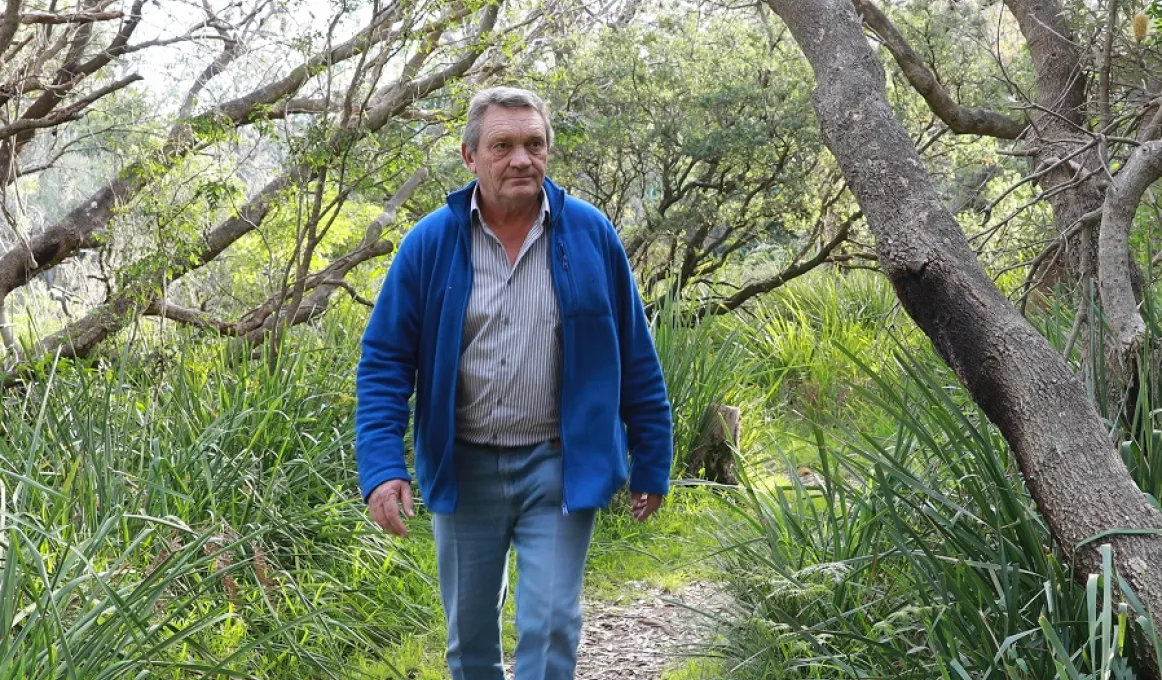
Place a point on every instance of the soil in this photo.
(645, 633)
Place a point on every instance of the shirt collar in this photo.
(475, 209)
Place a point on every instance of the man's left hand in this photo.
(645, 504)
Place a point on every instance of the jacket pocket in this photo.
(586, 282)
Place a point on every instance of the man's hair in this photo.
(509, 98)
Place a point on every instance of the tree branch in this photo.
(1103, 89)
(1121, 203)
(73, 111)
(78, 339)
(49, 18)
(9, 23)
(231, 48)
(794, 270)
(377, 225)
(960, 119)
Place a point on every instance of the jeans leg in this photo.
(551, 551)
(472, 556)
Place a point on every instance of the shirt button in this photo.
(498, 401)
(503, 362)
(506, 321)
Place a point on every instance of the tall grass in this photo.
(704, 365)
(793, 336)
(915, 555)
(172, 515)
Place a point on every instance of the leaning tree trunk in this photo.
(1024, 387)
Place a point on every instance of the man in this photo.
(513, 315)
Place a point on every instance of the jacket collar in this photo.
(460, 201)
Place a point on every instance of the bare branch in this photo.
(257, 322)
(255, 326)
(240, 109)
(119, 43)
(375, 229)
(961, 119)
(9, 23)
(794, 270)
(79, 338)
(71, 112)
(75, 18)
(190, 317)
(230, 50)
(7, 337)
(1103, 101)
(68, 76)
(61, 240)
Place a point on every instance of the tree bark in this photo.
(9, 23)
(1025, 388)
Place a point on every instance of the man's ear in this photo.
(469, 158)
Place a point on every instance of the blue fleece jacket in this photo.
(613, 397)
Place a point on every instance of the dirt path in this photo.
(645, 634)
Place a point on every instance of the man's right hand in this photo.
(384, 504)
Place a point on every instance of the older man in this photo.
(513, 315)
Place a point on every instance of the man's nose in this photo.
(520, 157)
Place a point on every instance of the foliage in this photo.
(694, 134)
(914, 555)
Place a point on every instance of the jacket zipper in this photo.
(561, 387)
(467, 244)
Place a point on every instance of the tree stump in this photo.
(712, 458)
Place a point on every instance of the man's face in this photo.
(510, 158)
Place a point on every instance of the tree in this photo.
(1076, 477)
(700, 160)
(286, 149)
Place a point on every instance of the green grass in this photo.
(167, 511)
(666, 552)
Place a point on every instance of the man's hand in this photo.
(645, 504)
(384, 504)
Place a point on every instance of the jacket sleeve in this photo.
(386, 375)
(645, 406)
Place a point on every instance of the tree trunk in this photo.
(712, 458)
(1024, 387)
(1061, 148)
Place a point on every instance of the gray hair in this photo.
(509, 98)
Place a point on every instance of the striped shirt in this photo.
(510, 360)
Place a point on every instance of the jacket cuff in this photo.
(644, 479)
(372, 483)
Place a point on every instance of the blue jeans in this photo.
(512, 497)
